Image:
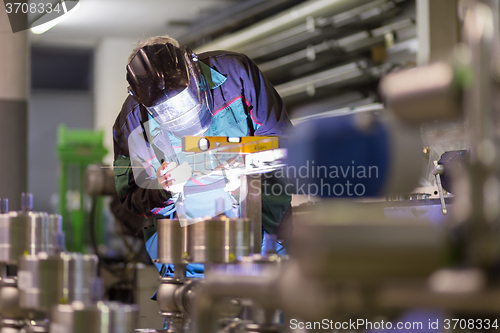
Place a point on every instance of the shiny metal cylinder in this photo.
(9, 300)
(177, 295)
(99, 180)
(219, 240)
(28, 281)
(359, 243)
(62, 317)
(101, 317)
(423, 94)
(172, 242)
(55, 235)
(21, 233)
(72, 271)
(124, 317)
(165, 294)
(48, 280)
(36, 327)
(10, 326)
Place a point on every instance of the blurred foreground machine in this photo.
(45, 289)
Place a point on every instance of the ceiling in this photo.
(325, 52)
(133, 19)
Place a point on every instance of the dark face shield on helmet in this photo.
(169, 83)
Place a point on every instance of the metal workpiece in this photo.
(476, 215)
(213, 240)
(36, 326)
(22, 232)
(49, 280)
(29, 232)
(101, 317)
(165, 294)
(28, 281)
(360, 244)
(454, 297)
(251, 208)
(479, 35)
(261, 289)
(478, 187)
(99, 180)
(55, 235)
(9, 300)
(65, 278)
(11, 326)
(423, 94)
(175, 322)
(26, 202)
(220, 240)
(172, 242)
(176, 295)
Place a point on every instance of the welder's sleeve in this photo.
(267, 110)
(138, 192)
(269, 117)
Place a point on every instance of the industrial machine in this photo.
(377, 251)
(43, 288)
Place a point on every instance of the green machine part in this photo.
(76, 149)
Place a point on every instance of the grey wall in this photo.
(46, 110)
(13, 109)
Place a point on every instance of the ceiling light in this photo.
(40, 29)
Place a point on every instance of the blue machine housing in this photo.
(336, 157)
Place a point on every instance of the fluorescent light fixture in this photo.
(40, 29)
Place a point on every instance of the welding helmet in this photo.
(169, 83)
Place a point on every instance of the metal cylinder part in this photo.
(33, 326)
(28, 281)
(65, 278)
(219, 240)
(55, 235)
(4, 205)
(62, 318)
(423, 94)
(9, 300)
(359, 243)
(22, 232)
(165, 294)
(101, 317)
(26, 202)
(11, 326)
(172, 242)
(99, 180)
(49, 280)
(176, 295)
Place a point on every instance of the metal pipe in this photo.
(222, 286)
(251, 207)
(232, 18)
(335, 75)
(343, 45)
(479, 35)
(314, 27)
(294, 16)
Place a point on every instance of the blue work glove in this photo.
(192, 270)
(269, 244)
(195, 270)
